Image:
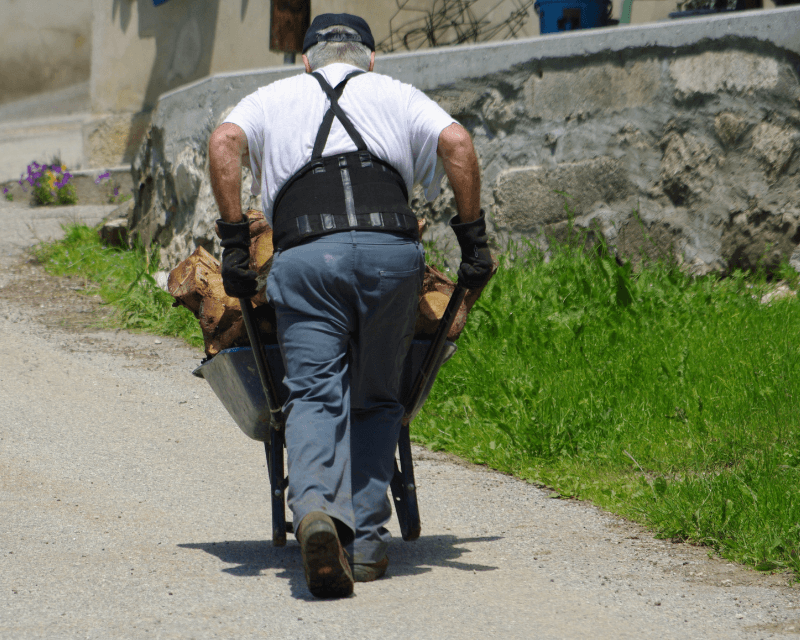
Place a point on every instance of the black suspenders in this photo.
(335, 109)
(350, 191)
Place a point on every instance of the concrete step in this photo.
(60, 124)
(62, 102)
(42, 140)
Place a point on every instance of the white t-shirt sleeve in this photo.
(426, 121)
(249, 115)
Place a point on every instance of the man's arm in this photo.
(227, 149)
(461, 166)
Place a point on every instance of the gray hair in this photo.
(324, 53)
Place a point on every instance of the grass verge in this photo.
(125, 280)
(668, 399)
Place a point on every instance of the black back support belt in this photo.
(351, 191)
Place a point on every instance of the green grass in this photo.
(125, 281)
(668, 399)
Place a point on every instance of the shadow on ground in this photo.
(252, 557)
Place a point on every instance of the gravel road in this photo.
(133, 507)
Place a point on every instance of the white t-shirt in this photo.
(398, 123)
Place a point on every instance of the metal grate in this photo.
(417, 24)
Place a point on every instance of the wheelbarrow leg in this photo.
(404, 489)
(277, 483)
(274, 448)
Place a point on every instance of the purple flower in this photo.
(67, 176)
(102, 177)
(5, 189)
(56, 167)
(116, 191)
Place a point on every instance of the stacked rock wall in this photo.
(678, 139)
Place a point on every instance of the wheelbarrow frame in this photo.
(269, 424)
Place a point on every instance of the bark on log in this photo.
(185, 281)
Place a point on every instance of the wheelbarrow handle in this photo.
(274, 449)
(434, 353)
(253, 334)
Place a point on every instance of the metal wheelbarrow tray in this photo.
(252, 392)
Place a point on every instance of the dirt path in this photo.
(133, 507)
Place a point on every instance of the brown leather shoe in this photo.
(327, 572)
(370, 572)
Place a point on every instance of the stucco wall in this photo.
(140, 51)
(44, 45)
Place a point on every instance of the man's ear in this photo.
(308, 66)
(371, 61)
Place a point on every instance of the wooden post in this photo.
(289, 21)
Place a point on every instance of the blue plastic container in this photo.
(567, 15)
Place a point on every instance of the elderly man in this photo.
(334, 154)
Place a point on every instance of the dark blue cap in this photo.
(325, 20)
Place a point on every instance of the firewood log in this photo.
(431, 308)
(261, 252)
(234, 336)
(197, 284)
(185, 281)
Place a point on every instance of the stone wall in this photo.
(675, 139)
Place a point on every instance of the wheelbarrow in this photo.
(248, 382)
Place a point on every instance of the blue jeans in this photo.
(346, 306)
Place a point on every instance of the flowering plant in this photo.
(113, 191)
(51, 183)
(9, 196)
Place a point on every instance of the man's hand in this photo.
(476, 261)
(237, 277)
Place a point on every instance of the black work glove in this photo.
(476, 261)
(237, 277)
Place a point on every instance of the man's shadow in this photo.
(251, 557)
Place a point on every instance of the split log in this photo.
(436, 291)
(196, 283)
(431, 310)
(189, 280)
(233, 336)
(261, 252)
